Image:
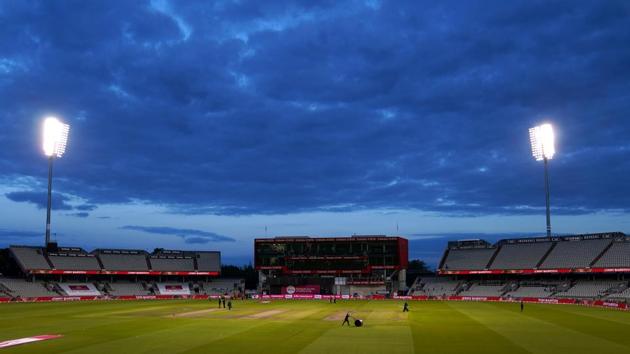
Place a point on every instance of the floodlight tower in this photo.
(543, 149)
(54, 145)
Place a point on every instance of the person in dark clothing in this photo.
(223, 302)
(346, 320)
(334, 300)
(219, 302)
(229, 304)
(406, 307)
(522, 305)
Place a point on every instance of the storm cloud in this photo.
(280, 107)
(191, 236)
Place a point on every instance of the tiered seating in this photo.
(531, 291)
(365, 290)
(468, 259)
(622, 296)
(4, 291)
(618, 255)
(520, 256)
(74, 262)
(123, 288)
(437, 287)
(483, 290)
(574, 254)
(588, 289)
(167, 264)
(220, 286)
(30, 257)
(123, 260)
(209, 261)
(23, 288)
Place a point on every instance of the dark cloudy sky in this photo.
(196, 124)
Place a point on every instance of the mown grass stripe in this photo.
(439, 328)
(530, 332)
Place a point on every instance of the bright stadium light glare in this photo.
(55, 137)
(543, 148)
(54, 144)
(543, 142)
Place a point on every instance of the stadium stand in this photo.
(520, 255)
(171, 264)
(542, 267)
(208, 261)
(221, 286)
(531, 291)
(335, 264)
(483, 290)
(58, 272)
(588, 289)
(122, 288)
(172, 261)
(124, 260)
(29, 257)
(434, 286)
(575, 254)
(356, 290)
(23, 288)
(623, 295)
(74, 261)
(618, 255)
(469, 259)
(537, 288)
(590, 267)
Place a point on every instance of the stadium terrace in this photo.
(566, 269)
(69, 273)
(341, 277)
(361, 265)
(590, 253)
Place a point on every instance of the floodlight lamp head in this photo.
(543, 142)
(55, 137)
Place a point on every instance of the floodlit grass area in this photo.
(117, 327)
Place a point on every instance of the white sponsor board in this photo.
(173, 289)
(80, 289)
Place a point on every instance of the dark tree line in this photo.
(244, 272)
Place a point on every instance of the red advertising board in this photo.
(305, 296)
(119, 272)
(535, 271)
(173, 287)
(78, 287)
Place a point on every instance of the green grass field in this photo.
(314, 327)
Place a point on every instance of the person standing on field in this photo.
(406, 307)
(346, 320)
(522, 305)
(229, 304)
